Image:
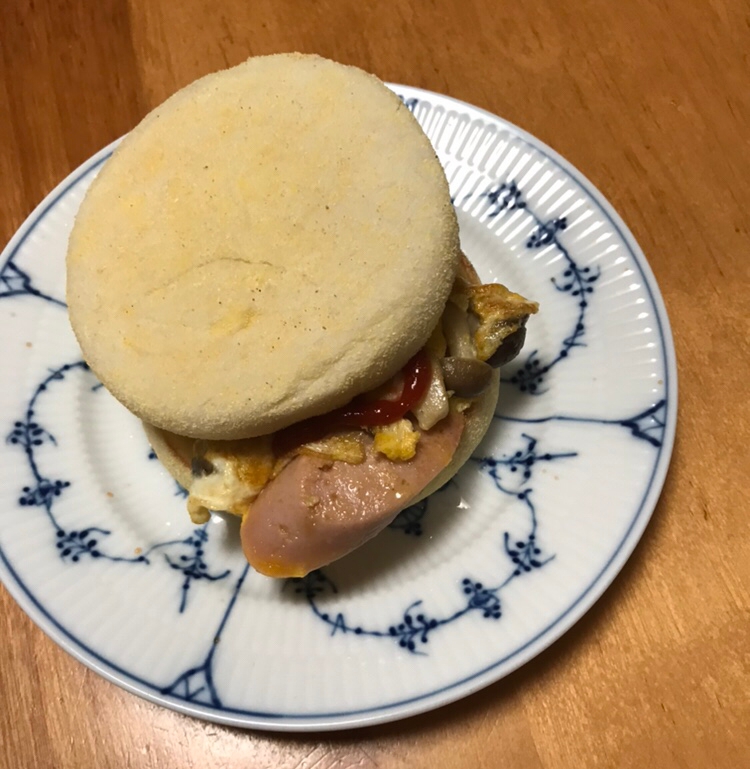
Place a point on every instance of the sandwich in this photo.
(267, 272)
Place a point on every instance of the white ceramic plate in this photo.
(95, 544)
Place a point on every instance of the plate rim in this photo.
(456, 690)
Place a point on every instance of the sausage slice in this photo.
(316, 511)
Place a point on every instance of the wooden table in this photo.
(651, 100)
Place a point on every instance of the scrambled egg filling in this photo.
(348, 447)
(230, 477)
(397, 441)
(500, 312)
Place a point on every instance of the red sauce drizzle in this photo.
(417, 375)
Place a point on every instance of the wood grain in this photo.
(650, 99)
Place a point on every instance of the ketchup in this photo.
(417, 375)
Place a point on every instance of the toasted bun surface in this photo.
(173, 451)
(271, 241)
